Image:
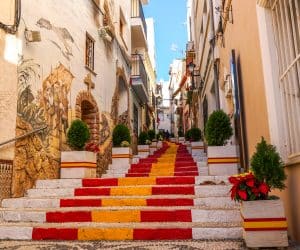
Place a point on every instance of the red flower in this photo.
(233, 192)
(264, 188)
(233, 180)
(255, 191)
(250, 183)
(243, 194)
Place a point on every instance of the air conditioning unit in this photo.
(105, 34)
(228, 87)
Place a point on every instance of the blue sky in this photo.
(170, 32)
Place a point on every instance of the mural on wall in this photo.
(65, 39)
(37, 156)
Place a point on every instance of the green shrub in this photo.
(78, 134)
(160, 136)
(267, 165)
(195, 134)
(120, 133)
(218, 129)
(180, 132)
(188, 135)
(151, 134)
(143, 137)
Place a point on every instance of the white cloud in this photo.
(174, 47)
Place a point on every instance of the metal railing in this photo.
(138, 12)
(138, 69)
(6, 168)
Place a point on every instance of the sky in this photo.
(170, 32)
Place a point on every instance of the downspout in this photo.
(213, 43)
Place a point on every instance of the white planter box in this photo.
(143, 151)
(159, 144)
(222, 160)
(78, 164)
(264, 223)
(172, 139)
(197, 148)
(181, 140)
(153, 147)
(121, 157)
(189, 146)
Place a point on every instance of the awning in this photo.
(181, 84)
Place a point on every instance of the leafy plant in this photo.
(143, 137)
(120, 133)
(267, 165)
(188, 135)
(195, 134)
(218, 129)
(180, 132)
(78, 134)
(160, 136)
(151, 134)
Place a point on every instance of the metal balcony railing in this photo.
(138, 12)
(138, 69)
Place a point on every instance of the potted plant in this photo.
(159, 138)
(180, 135)
(152, 138)
(143, 144)
(188, 140)
(264, 222)
(172, 137)
(222, 158)
(196, 143)
(121, 151)
(81, 162)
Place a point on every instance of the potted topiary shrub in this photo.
(152, 138)
(121, 151)
(188, 140)
(222, 158)
(264, 222)
(81, 162)
(180, 135)
(143, 145)
(196, 143)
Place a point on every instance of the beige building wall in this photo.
(45, 83)
(243, 37)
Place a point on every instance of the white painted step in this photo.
(200, 191)
(204, 203)
(21, 231)
(73, 183)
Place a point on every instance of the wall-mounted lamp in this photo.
(191, 68)
(225, 14)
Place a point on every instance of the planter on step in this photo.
(197, 148)
(189, 146)
(143, 151)
(181, 140)
(78, 164)
(264, 223)
(153, 147)
(159, 144)
(222, 160)
(172, 139)
(121, 157)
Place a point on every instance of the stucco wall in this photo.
(242, 36)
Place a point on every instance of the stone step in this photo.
(211, 218)
(198, 191)
(126, 203)
(92, 231)
(73, 183)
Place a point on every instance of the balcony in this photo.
(139, 78)
(138, 25)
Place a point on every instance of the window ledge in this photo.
(293, 160)
(92, 71)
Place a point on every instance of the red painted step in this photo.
(55, 234)
(190, 173)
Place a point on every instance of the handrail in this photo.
(23, 136)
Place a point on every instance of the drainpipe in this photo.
(213, 43)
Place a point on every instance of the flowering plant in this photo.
(246, 187)
(125, 144)
(92, 147)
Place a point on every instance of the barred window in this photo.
(286, 24)
(89, 52)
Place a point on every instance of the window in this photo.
(286, 25)
(89, 52)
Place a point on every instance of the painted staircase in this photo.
(160, 198)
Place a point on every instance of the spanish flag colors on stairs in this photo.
(160, 198)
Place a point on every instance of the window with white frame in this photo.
(286, 25)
